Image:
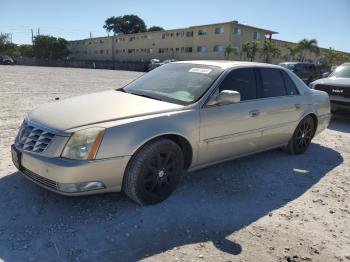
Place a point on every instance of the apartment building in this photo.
(196, 42)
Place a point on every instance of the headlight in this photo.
(83, 145)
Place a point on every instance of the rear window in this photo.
(272, 82)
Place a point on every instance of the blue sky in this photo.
(327, 21)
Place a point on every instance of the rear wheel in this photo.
(302, 136)
(154, 172)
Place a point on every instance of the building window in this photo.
(202, 32)
(101, 52)
(107, 51)
(132, 38)
(218, 48)
(201, 49)
(189, 34)
(101, 41)
(162, 36)
(177, 49)
(256, 36)
(131, 51)
(188, 49)
(96, 52)
(219, 30)
(237, 31)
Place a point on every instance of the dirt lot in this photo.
(266, 207)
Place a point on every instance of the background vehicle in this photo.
(306, 71)
(180, 116)
(156, 63)
(337, 85)
(7, 60)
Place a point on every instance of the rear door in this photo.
(231, 130)
(283, 107)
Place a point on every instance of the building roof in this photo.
(226, 64)
(184, 28)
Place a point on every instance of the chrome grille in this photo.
(40, 180)
(33, 139)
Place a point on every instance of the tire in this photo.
(302, 137)
(153, 172)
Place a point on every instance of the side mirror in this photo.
(225, 97)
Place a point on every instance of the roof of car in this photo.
(226, 64)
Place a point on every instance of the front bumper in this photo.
(338, 102)
(51, 172)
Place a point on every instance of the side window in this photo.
(272, 82)
(243, 81)
(290, 86)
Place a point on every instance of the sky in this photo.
(327, 21)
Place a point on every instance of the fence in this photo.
(114, 65)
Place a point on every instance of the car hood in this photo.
(97, 108)
(333, 81)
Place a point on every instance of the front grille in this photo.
(343, 91)
(40, 180)
(33, 139)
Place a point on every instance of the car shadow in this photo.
(340, 122)
(209, 205)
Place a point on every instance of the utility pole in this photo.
(90, 35)
(38, 31)
(32, 35)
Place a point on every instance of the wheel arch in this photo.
(180, 140)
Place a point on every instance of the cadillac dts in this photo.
(182, 116)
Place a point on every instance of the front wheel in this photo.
(302, 136)
(154, 172)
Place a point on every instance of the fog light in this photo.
(80, 187)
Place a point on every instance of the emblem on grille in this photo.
(338, 91)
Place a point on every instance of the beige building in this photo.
(196, 42)
(192, 43)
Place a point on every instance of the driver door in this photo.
(231, 130)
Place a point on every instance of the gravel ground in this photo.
(267, 207)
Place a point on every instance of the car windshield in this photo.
(178, 83)
(341, 71)
(288, 66)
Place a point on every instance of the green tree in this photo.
(304, 46)
(26, 50)
(229, 49)
(293, 52)
(127, 24)
(333, 57)
(251, 49)
(6, 47)
(49, 47)
(155, 28)
(269, 50)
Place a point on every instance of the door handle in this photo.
(254, 113)
(297, 106)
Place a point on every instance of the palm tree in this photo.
(229, 50)
(251, 49)
(305, 46)
(269, 50)
(293, 51)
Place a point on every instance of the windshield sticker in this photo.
(200, 70)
